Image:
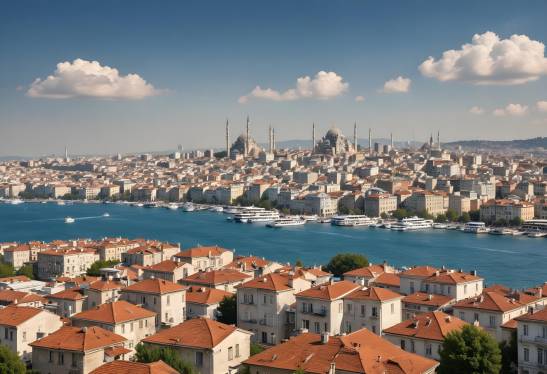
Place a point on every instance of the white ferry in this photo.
(475, 228)
(216, 209)
(14, 201)
(106, 214)
(172, 206)
(324, 220)
(412, 223)
(312, 218)
(188, 207)
(287, 221)
(535, 225)
(352, 220)
(69, 220)
(501, 231)
(266, 216)
(440, 225)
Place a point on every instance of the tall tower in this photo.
(355, 136)
(431, 141)
(370, 141)
(227, 139)
(270, 146)
(313, 138)
(391, 138)
(66, 153)
(439, 139)
(247, 138)
(273, 139)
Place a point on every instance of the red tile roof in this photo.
(534, 316)
(130, 367)
(272, 282)
(431, 326)
(420, 271)
(114, 313)
(105, 285)
(366, 272)
(205, 295)
(359, 352)
(197, 333)
(329, 291)
(18, 297)
(154, 286)
(492, 301)
(70, 294)
(79, 339)
(202, 252)
(373, 293)
(388, 279)
(422, 298)
(167, 266)
(15, 315)
(216, 277)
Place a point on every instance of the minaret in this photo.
(370, 141)
(66, 153)
(247, 138)
(270, 146)
(313, 138)
(391, 138)
(273, 139)
(431, 141)
(439, 139)
(355, 136)
(227, 139)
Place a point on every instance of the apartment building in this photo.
(71, 350)
(68, 302)
(358, 352)
(150, 254)
(263, 304)
(166, 299)
(206, 258)
(457, 285)
(421, 302)
(253, 265)
(373, 308)
(102, 291)
(411, 280)
(377, 204)
(494, 210)
(424, 334)
(169, 270)
(68, 263)
(426, 201)
(365, 275)
(22, 325)
(130, 321)
(532, 342)
(212, 347)
(321, 308)
(203, 301)
(17, 255)
(112, 250)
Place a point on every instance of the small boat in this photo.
(106, 215)
(385, 225)
(501, 231)
(475, 228)
(188, 207)
(15, 201)
(517, 233)
(216, 209)
(536, 234)
(312, 218)
(172, 206)
(69, 220)
(440, 226)
(150, 205)
(324, 220)
(287, 221)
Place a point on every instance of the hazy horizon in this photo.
(136, 77)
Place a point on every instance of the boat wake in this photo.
(494, 250)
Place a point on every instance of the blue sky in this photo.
(202, 56)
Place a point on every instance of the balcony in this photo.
(251, 321)
(321, 313)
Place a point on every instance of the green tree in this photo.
(168, 355)
(299, 371)
(441, 218)
(299, 263)
(344, 262)
(465, 217)
(6, 270)
(95, 268)
(501, 222)
(509, 355)
(10, 363)
(264, 203)
(401, 213)
(256, 349)
(451, 215)
(384, 215)
(26, 270)
(517, 221)
(470, 350)
(227, 309)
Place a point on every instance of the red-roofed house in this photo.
(223, 279)
(203, 301)
(532, 341)
(206, 258)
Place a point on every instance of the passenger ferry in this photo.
(412, 223)
(287, 221)
(475, 228)
(242, 209)
(256, 216)
(535, 225)
(352, 220)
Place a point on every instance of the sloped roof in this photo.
(15, 315)
(130, 367)
(430, 326)
(202, 251)
(113, 313)
(272, 282)
(216, 277)
(155, 286)
(329, 291)
(79, 339)
(373, 293)
(205, 295)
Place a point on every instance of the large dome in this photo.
(333, 132)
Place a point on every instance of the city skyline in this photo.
(147, 78)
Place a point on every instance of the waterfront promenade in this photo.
(514, 261)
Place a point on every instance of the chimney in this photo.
(429, 297)
(324, 337)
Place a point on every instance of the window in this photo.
(123, 328)
(154, 300)
(140, 324)
(264, 337)
(462, 315)
(374, 329)
(403, 344)
(6, 332)
(50, 356)
(305, 324)
(61, 358)
(24, 336)
(540, 356)
(374, 311)
(74, 360)
(363, 310)
(168, 300)
(199, 359)
(11, 335)
(525, 330)
(349, 307)
(411, 287)
(412, 348)
(465, 288)
(492, 321)
(448, 289)
(237, 350)
(476, 317)
(230, 353)
(317, 327)
(340, 308)
(544, 332)
(348, 327)
(526, 352)
(265, 299)
(392, 308)
(428, 349)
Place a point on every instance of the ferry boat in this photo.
(15, 201)
(501, 231)
(312, 218)
(266, 216)
(412, 223)
(475, 228)
(69, 220)
(352, 220)
(536, 234)
(216, 209)
(440, 226)
(287, 221)
(172, 206)
(535, 225)
(324, 220)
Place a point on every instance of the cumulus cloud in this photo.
(325, 85)
(397, 85)
(542, 105)
(490, 60)
(476, 110)
(359, 99)
(511, 110)
(82, 78)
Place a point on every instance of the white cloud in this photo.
(397, 85)
(490, 60)
(359, 99)
(542, 105)
(82, 78)
(511, 110)
(476, 110)
(325, 85)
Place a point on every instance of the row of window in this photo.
(541, 355)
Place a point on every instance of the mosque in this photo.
(333, 143)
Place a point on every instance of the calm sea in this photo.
(514, 261)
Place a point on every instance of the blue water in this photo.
(514, 261)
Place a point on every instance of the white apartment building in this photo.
(532, 342)
(205, 258)
(68, 263)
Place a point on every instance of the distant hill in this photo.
(539, 142)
